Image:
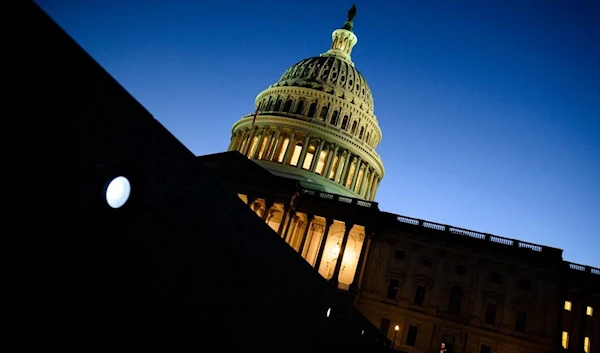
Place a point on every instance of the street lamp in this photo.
(396, 329)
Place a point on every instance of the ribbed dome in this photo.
(330, 74)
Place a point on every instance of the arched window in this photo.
(334, 118)
(308, 158)
(282, 149)
(296, 154)
(311, 110)
(362, 131)
(278, 105)
(367, 140)
(353, 129)
(344, 122)
(321, 162)
(300, 107)
(323, 114)
(456, 295)
(288, 105)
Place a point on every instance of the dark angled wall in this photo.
(170, 271)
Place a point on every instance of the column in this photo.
(364, 180)
(276, 144)
(309, 219)
(268, 205)
(259, 142)
(265, 155)
(375, 186)
(371, 182)
(328, 223)
(290, 148)
(241, 144)
(317, 156)
(356, 172)
(303, 153)
(341, 172)
(249, 141)
(292, 214)
(232, 142)
(338, 263)
(330, 161)
(250, 200)
(354, 286)
(286, 207)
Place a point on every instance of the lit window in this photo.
(589, 311)
(568, 305)
(565, 339)
(586, 345)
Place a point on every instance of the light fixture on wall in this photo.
(396, 329)
(336, 250)
(117, 192)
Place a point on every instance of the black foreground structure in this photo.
(170, 271)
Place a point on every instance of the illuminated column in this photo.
(232, 142)
(305, 147)
(328, 223)
(309, 219)
(287, 227)
(249, 141)
(338, 263)
(317, 156)
(363, 182)
(242, 143)
(355, 285)
(342, 172)
(375, 186)
(371, 182)
(290, 147)
(259, 142)
(356, 172)
(267, 150)
(268, 205)
(331, 160)
(276, 143)
(286, 208)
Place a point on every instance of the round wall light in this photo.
(118, 191)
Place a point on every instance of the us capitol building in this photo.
(305, 162)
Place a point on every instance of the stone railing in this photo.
(475, 235)
(583, 268)
(339, 198)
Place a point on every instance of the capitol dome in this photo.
(317, 125)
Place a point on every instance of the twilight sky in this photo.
(490, 110)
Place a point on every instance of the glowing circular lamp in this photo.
(118, 191)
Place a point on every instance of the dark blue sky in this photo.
(490, 110)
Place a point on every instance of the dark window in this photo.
(287, 106)
(411, 336)
(525, 284)
(344, 122)
(426, 261)
(485, 349)
(334, 118)
(496, 277)
(278, 105)
(392, 289)
(490, 313)
(300, 107)
(520, 321)
(456, 294)
(353, 129)
(362, 131)
(399, 254)
(384, 326)
(461, 269)
(311, 110)
(324, 111)
(420, 295)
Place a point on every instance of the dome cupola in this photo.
(316, 124)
